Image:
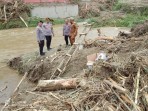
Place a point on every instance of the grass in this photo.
(131, 9)
(128, 21)
(133, 16)
(32, 22)
(12, 24)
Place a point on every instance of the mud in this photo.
(22, 40)
(122, 63)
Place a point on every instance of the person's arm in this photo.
(63, 29)
(52, 31)
(76, 30)
(44, 27)
(38, 35)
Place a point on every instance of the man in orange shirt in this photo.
(73, 31)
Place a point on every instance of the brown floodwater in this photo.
(15, 42)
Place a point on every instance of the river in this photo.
(15, 42)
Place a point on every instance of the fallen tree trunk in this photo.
(50, 85)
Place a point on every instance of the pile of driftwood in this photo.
(13, 9)
(94, 7)
(118, 84)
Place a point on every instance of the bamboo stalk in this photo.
(23, 21)
(115, 86)
(122, 101)
(137, 86)
(5, 13)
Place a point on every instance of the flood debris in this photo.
(118, 83)
(13, 9)
(94, 7)
(136, 31)
(50, 85)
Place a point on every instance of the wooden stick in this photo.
(145, 100)
(23, 21)
(1, 12)
(137, 86)
(121, 101)
(5, 13)
(50, 93)
(16, 89)
(20, 109)
(54, 59)
(94, 107)
(136, 108)
(143, 88)
(3, 88)
(126, 99)
(116, 86)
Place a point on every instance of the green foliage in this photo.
(32, 22)
(12, 24)
(130, 9)
(128, 21)
(121, 6)
(133, 16)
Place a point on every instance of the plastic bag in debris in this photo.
(101, 56)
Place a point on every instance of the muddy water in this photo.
(14, 42)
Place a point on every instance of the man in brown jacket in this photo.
(73, 31)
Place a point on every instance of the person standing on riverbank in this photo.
(73, 31)
(40, 37)
(66, 31)
(48, 32)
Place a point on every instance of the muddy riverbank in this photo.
(16, 42)
(107, 81)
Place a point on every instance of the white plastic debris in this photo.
(90, 65)
(101, 56)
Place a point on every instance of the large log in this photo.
(51, 85)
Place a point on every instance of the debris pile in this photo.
(94, 7)
(140, 29)
(13, 9)
(118, 83)
(136, 31)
